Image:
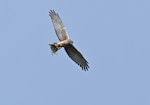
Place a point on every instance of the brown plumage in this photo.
(65, 42)
(76, 56)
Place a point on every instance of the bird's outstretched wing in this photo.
(76, 56)
(58, 26)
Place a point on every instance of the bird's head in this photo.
(71, 42)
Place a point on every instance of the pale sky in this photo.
(113, 35)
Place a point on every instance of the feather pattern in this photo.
(76, 56)
(58, 26)
(65, 42)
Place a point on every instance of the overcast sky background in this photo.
(113, 35)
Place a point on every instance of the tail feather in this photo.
(54, 48)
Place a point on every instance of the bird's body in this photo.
(59, 45)
(66, 42)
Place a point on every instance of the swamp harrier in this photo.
(66, 42)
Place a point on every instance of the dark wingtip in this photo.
(52, 12)
(85, 68)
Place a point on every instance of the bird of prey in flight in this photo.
(66, 42)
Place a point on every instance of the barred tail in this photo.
(54, 48)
